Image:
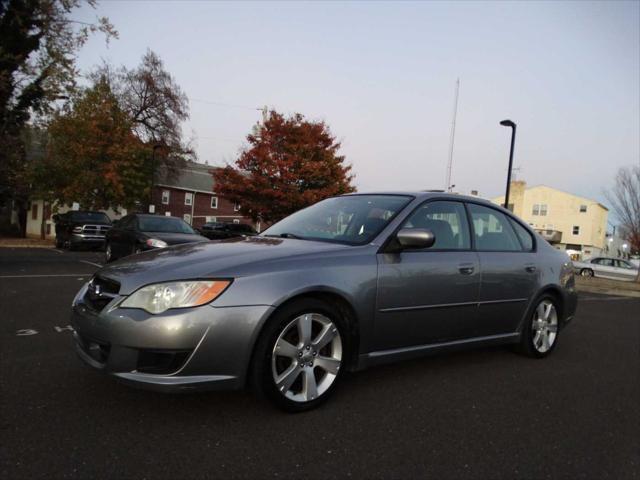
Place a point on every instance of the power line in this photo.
(223, 104)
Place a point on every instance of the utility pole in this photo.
(448, 185)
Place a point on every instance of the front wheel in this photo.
(540, 333)
(300, 355)
(586, 272)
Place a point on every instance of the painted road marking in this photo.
(26, 332)
(90, 263)
(62, 329)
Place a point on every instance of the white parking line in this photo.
(48, 276)
(90, 263)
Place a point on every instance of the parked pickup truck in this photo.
(81, 228)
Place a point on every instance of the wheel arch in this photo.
(553, 290)
(331, 297)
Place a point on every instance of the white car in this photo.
(612, 268)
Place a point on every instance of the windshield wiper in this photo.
(286, 235)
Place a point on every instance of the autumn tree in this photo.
(100, 145)
(39, 42)
(625, 200)
(92, 155)
(290, 164)
(155, 104)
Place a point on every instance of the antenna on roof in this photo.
(448, 185)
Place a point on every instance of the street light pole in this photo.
(509, 123)
(153, 173)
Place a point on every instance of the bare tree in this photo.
(625, 200)
(156, 105)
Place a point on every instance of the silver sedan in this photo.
(612, 268)
(350, 282)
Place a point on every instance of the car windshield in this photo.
(352, 219)
(97, 217)
(163, 224)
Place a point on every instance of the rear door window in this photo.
(526, 239)
(492, 230)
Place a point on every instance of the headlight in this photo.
(77, 229)
(155, 243)
(163, 296)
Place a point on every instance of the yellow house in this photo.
(568, 222)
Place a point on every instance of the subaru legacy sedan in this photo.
(350, 282)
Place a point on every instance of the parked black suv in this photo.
(217, 230)
(81, 228)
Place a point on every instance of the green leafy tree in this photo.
(92, 155)
(39, 42)
(291, 163)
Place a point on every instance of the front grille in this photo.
(95, 229)
(100, 292)
(161, 362)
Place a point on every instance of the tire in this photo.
(308, 375)
(541, 329)
(586, 272)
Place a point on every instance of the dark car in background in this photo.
(219, 230)
(137, 233)
(81, 228)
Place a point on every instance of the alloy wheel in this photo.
(306, 357)
(544, 326)
(108, 253)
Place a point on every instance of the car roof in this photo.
(426, 194)
(151, 215)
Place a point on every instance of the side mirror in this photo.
(415, 238)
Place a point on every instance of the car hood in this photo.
(206, 259)
(176, 238)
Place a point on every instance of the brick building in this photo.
(191, 196)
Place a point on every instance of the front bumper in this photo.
(86, 239)
(201, 348)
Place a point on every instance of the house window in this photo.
(214, 202)
(543, 209)
(34, 211)
(583, 208)
(187, 218)
(576, 230)
(536, 210)
(236, 207)
(188, 198)
(235, 220)
(165, 197)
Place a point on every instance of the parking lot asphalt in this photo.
(485, 413)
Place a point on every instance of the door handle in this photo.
(530, 268)
(466, 269)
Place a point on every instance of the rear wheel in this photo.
(300, 355)
(586, 272)
(540, 333)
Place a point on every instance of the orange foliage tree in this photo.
(291, 163)
(92, 155)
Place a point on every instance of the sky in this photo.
(382, 76)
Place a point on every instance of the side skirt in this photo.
(388, 356)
